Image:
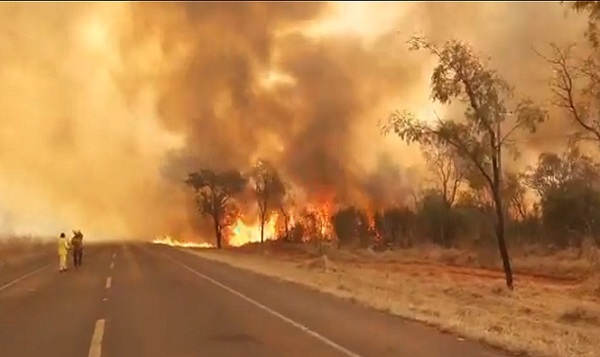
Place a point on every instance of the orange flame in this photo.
(322, 215)
(242, 233)
(372, 227)
(166, 240)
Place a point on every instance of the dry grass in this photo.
(541, 317)
(16, 250)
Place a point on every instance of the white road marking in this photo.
(108, 282)
(96, 345)
(284, 318)
(112, 265)
(6, 286)
(114, 255)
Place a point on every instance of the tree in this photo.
(352, 224)
(567, 186)
(576, 89)
(461, 75)
(553, 170)
(286, 206)
(395, 225)
(449, 175)
(593, 10)
(437, 219)
(576, 82)
(214, 196)
(269, 190)
(447, 170)
(514, 192)
(344, 223)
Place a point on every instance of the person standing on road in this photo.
(63, 250)
(77, 244)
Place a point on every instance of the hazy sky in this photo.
(105, 106)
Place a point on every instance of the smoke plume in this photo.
(106, 106)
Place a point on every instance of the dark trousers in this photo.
(77, 256)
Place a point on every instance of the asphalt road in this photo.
(153, 301)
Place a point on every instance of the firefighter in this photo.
(77, 244)
(63, 250)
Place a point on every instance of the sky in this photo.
(105, 107)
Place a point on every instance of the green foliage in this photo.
(460, 75)
(567, 186)
(592, 8)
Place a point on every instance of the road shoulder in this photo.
(359, 328)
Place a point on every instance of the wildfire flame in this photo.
(166, 240)
(322, 214)
(372, 226)
(242, 233)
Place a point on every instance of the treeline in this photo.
(555, 204)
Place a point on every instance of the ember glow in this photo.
(166, 240)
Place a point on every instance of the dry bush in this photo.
(529, 260)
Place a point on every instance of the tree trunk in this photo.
(500, 230)
(286, 223)
(218, 231)
(262, 226)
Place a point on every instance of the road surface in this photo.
(156, 301)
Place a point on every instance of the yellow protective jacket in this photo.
(63, 246)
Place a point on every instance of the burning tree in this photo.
(478, 140)
(214, 193)
(286, 204)
(269, 190)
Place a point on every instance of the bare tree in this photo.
(285, 204)
(214, 193)
(269, 190)
(460, 75)
(514, 193)
(576, 89)
(446, 167)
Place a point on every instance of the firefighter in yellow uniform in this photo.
(63, 251)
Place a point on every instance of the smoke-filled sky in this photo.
(104, 107)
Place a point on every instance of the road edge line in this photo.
(17, 280)
(272, 312)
